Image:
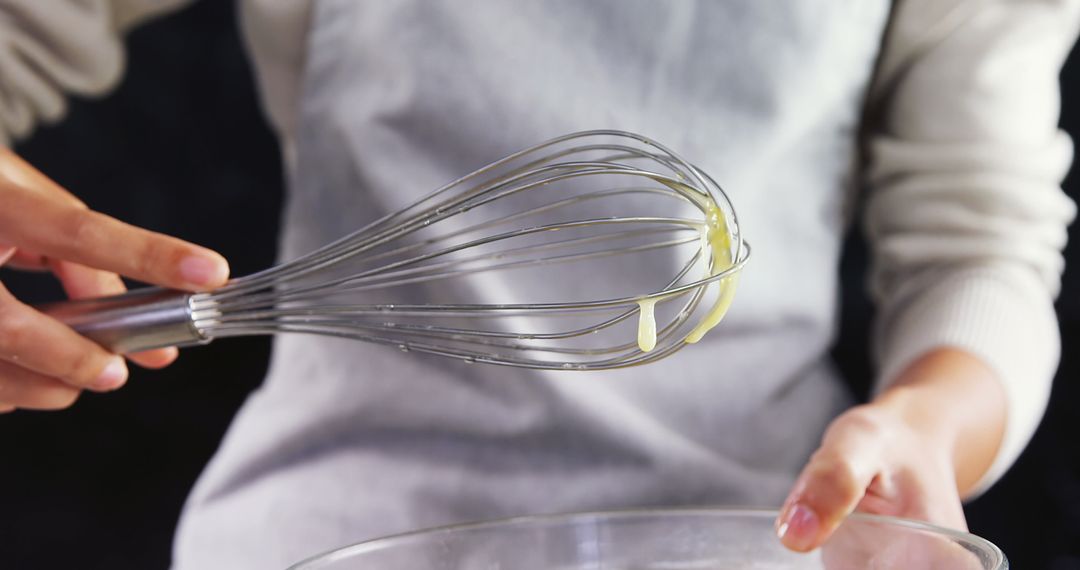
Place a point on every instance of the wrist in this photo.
(955, 405)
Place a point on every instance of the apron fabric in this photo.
(348, 441)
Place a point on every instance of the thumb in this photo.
(832, 484)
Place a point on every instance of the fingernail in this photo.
(799, 528)
(114, 375)
(202, 272)
(6, 252)
(6, 408)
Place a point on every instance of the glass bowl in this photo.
(703, 539)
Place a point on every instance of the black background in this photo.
(181, 147)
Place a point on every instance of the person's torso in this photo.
(401, 97)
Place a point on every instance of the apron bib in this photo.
(348, 441)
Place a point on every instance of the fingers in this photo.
(22, 388)
(28, 261)
(833, 483)
(155, 359)
(44, 364)
(81, 282)
(43, 345)
(96, 240)
(40, 217)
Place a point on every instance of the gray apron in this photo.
(348, 441)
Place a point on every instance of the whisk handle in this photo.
(138, 320)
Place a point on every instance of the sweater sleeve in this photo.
(49, 49)
(965, 214)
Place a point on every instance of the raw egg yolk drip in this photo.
(716, 238)
(646, 331)
(719, 238)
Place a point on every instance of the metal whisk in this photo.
(594, 250)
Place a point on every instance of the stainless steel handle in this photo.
(138, 320)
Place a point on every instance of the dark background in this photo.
(181, 147)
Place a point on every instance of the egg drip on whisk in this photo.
(716, 245)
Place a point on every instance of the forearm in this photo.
(958, 406)
(964, 214)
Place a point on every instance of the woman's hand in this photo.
(911, 453)
(44, 364)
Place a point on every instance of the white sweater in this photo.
(965, 214)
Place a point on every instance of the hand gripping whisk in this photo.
(594, 250)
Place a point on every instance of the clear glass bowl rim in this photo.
(997, 557)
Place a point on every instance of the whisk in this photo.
(594, 250)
